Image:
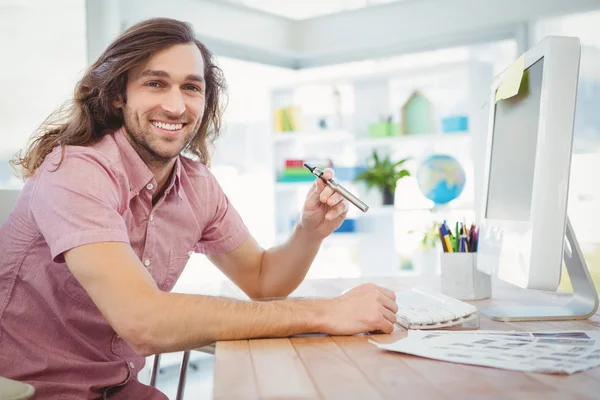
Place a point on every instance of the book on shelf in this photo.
(294, 170)
(287, 119)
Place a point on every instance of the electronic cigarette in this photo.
(338, 188)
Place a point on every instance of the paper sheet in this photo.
(563, 352)
(511, 81)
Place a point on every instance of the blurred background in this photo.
(393, 95)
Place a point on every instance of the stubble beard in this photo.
(147, 145)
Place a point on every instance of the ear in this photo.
(119, 103)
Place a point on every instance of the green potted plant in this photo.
(383, 174)
(425, 259)
(431, 237)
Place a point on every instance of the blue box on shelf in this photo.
(295, 179)
(457, 123)
(349, 225)
(347, 173)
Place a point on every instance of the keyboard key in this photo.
(418, 308)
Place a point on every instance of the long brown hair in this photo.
(91, 114)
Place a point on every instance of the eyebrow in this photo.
(164, 74)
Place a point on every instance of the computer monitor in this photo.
(523, 214)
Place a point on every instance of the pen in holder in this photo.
(460, 277)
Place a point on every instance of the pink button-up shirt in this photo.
(51, 333)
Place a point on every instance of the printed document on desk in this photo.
(560, 352)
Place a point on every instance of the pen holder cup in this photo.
(461, 279)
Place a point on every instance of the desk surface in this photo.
(324, 367)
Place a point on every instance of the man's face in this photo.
(165, 102)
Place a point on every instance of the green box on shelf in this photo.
(396, 130)
(384, 129)
(297, 172)
(379, 129)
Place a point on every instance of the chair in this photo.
(8, 199)
(13, 390)
(210, 349)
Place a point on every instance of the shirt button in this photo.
(149, 186)
(147, 262)
(131, 364)
(151, 217)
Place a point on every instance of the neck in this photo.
(162, 174)
(161, 168)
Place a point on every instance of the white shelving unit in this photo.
(378, 245)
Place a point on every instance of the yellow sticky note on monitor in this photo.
(511, 82)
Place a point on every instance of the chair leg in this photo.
(155, 368)
(184, 364)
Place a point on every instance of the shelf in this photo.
(346, 136)
(433, 138)
(388, 72)
(374, 90)
(381, 210)
(336, 239)
(282, 187)
(324, 136)
(291, 186)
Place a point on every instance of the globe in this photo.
(441, 178)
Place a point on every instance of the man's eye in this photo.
(193, 88)
(153, 84)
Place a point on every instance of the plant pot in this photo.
(388, 197)
(426, 262)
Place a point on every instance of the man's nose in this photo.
(173, 102)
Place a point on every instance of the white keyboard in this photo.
(422, 309)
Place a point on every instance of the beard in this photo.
(153, 149)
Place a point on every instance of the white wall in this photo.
(218, 20)
(43, 47)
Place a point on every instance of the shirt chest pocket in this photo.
(177, 262)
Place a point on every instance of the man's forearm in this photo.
(183, 321)
(284, 267)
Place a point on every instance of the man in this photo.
(111, 211)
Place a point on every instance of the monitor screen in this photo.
(514, 143)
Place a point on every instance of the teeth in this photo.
(168, 127)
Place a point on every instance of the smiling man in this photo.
(110, 213)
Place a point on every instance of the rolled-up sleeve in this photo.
(78, 203)
(225, 230)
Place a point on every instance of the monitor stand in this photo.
(583, 304)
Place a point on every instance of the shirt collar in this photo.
(175, 182)
(138, 172)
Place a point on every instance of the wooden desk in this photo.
(349, 367)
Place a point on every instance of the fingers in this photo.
(332, 200)
(321, 193)
(327, 175)
(339, 210)
(388, 315)
(326, 194)
(386, 326)
(313, 200)
(389, 304)
(326, 191)
(386, 292)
